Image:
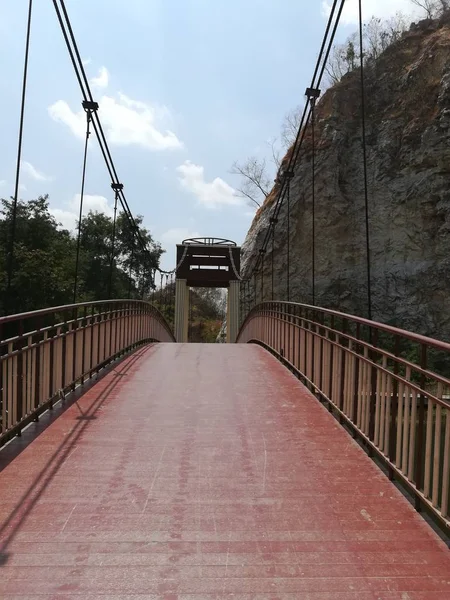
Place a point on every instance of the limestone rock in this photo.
(408, 146)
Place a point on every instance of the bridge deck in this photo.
(194, 472)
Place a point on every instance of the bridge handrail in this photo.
(379, 381)
(70, 307)
(416, 337)
(44, 354)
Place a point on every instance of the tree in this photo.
(131, 256)
(44, 258)
(350, 55)
(342, 60)
(43, 254)
(290, 126)
(433, 8)
(378, 35)
(255, 182)
(207, 307)
(96, 244)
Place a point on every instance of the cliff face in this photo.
(408, 121)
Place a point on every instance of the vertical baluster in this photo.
(446, 467)
(437, 448)
(419, 449)
(406, 424)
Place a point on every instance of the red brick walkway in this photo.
(197, 472)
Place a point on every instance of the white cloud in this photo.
(32, 172)
(378, 8)
(177, 234)
(68, 217)
(62, 113)
(2, 182)
(102, 80)
(91, 202)
(126, 122)
(211, 194)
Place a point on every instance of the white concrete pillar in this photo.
(233, 311)
(181, 310)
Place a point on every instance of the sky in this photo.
(185, 88)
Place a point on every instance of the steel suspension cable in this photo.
(313, 183)
(273, 254)
(78, 69)
(80, 216)
(288, 257)
(262, 274)
(113, 242)
(316, 81)
(166, 292)
(83, 81)
(12, 233)
(364, 150)
(130, 274)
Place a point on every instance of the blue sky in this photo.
(185, 87)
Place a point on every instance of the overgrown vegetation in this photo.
(378, 35)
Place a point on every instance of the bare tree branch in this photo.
(243, 194)
(426, 5)
(256, 183)
(378, 36)
(290, 126)
(275, 152)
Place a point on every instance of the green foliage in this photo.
(45, 254)
(206, 311)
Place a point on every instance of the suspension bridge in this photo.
(307, 458)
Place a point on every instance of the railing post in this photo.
(91, 349)
(63, 352)
(321, 336)
(420, 425)
(37, 378)
(74, 346)
(99, 322)
(19, 375)
(331, 366)
(343, 365)
(394, 411)
(373, 339)
(356, 380)
(312, 328)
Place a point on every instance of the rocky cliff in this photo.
(408, 121)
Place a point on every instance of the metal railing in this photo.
(390, 386)
(47, 353)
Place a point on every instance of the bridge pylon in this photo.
(207, 262)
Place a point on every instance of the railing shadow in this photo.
(29, 499)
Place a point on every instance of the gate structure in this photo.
(207, 262)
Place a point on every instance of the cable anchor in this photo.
(312, 94)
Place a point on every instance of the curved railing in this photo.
(391, 386)
(46, 353)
